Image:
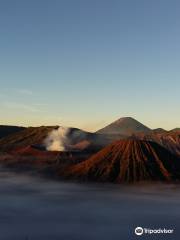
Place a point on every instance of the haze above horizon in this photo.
(87, 63)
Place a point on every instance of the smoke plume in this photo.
(57, 140)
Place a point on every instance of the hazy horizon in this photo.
(91, 130)
(88, 63)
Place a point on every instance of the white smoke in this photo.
(57, 139)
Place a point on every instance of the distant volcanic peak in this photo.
(175, 130)
(127, 161)
(159, 130)
(125, 126)
(125, 119)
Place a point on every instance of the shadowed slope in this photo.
(128, 161)
(6, 130)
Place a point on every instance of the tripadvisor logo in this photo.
(140, 231)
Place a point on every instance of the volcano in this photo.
(124, 126)
(76, 139)
(128, 161)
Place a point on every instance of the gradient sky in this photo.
(86, 63)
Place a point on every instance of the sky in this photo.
(86, 63)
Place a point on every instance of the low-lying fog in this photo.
(37, 209)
